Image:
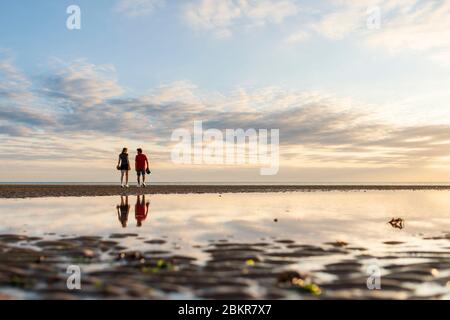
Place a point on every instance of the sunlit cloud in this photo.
(316, 128)
(385, 115)
(419, 26)
(406, 26)
(298, 37)
(13, 85)
(222, 17)
(81, 84)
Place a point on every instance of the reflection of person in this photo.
(123, 210)
(124, 166)
(141, 165)
(141, 210)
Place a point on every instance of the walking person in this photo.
(142, 167)
(124, 166)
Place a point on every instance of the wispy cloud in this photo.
(20, 110)
(90, 108)
(81, 84)
(137, 8)
(339, 24)
(406, 26)
(418, 26)
(222, 16)
(297, 37)
(13, 85)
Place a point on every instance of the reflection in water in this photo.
(357, 218)
(140, 210)
(249, 246)
(123, 209)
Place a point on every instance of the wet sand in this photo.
(38, 191)
(33, 267)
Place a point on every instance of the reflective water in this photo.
(187, 222)
(360, 218)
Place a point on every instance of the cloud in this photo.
(314, 127)
(13, 84)
(268, 11)
(173, 92)
(297, 37)
(406, 26)
(24, 116)
(137, 8)
(14, 130)
(338, 25)
(89, 108)
(20, 110)
(420, 26)
(81, 84)
(221, 16)
(70, 97)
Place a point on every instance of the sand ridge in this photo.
(38, 191)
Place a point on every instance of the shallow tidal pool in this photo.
(259, 241)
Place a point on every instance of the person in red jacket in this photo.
(141, 165)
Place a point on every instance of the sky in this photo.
(357, 89)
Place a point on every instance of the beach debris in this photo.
(250, 262)
(287, 276)
(161, 264)
(130, 256)
(98, 283)
(397, 223)
(311, 288)
(302, 282)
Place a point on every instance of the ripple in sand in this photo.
(122, 235)
(230, 269)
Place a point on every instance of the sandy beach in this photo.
(38, 191)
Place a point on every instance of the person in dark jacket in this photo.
(124, 166)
